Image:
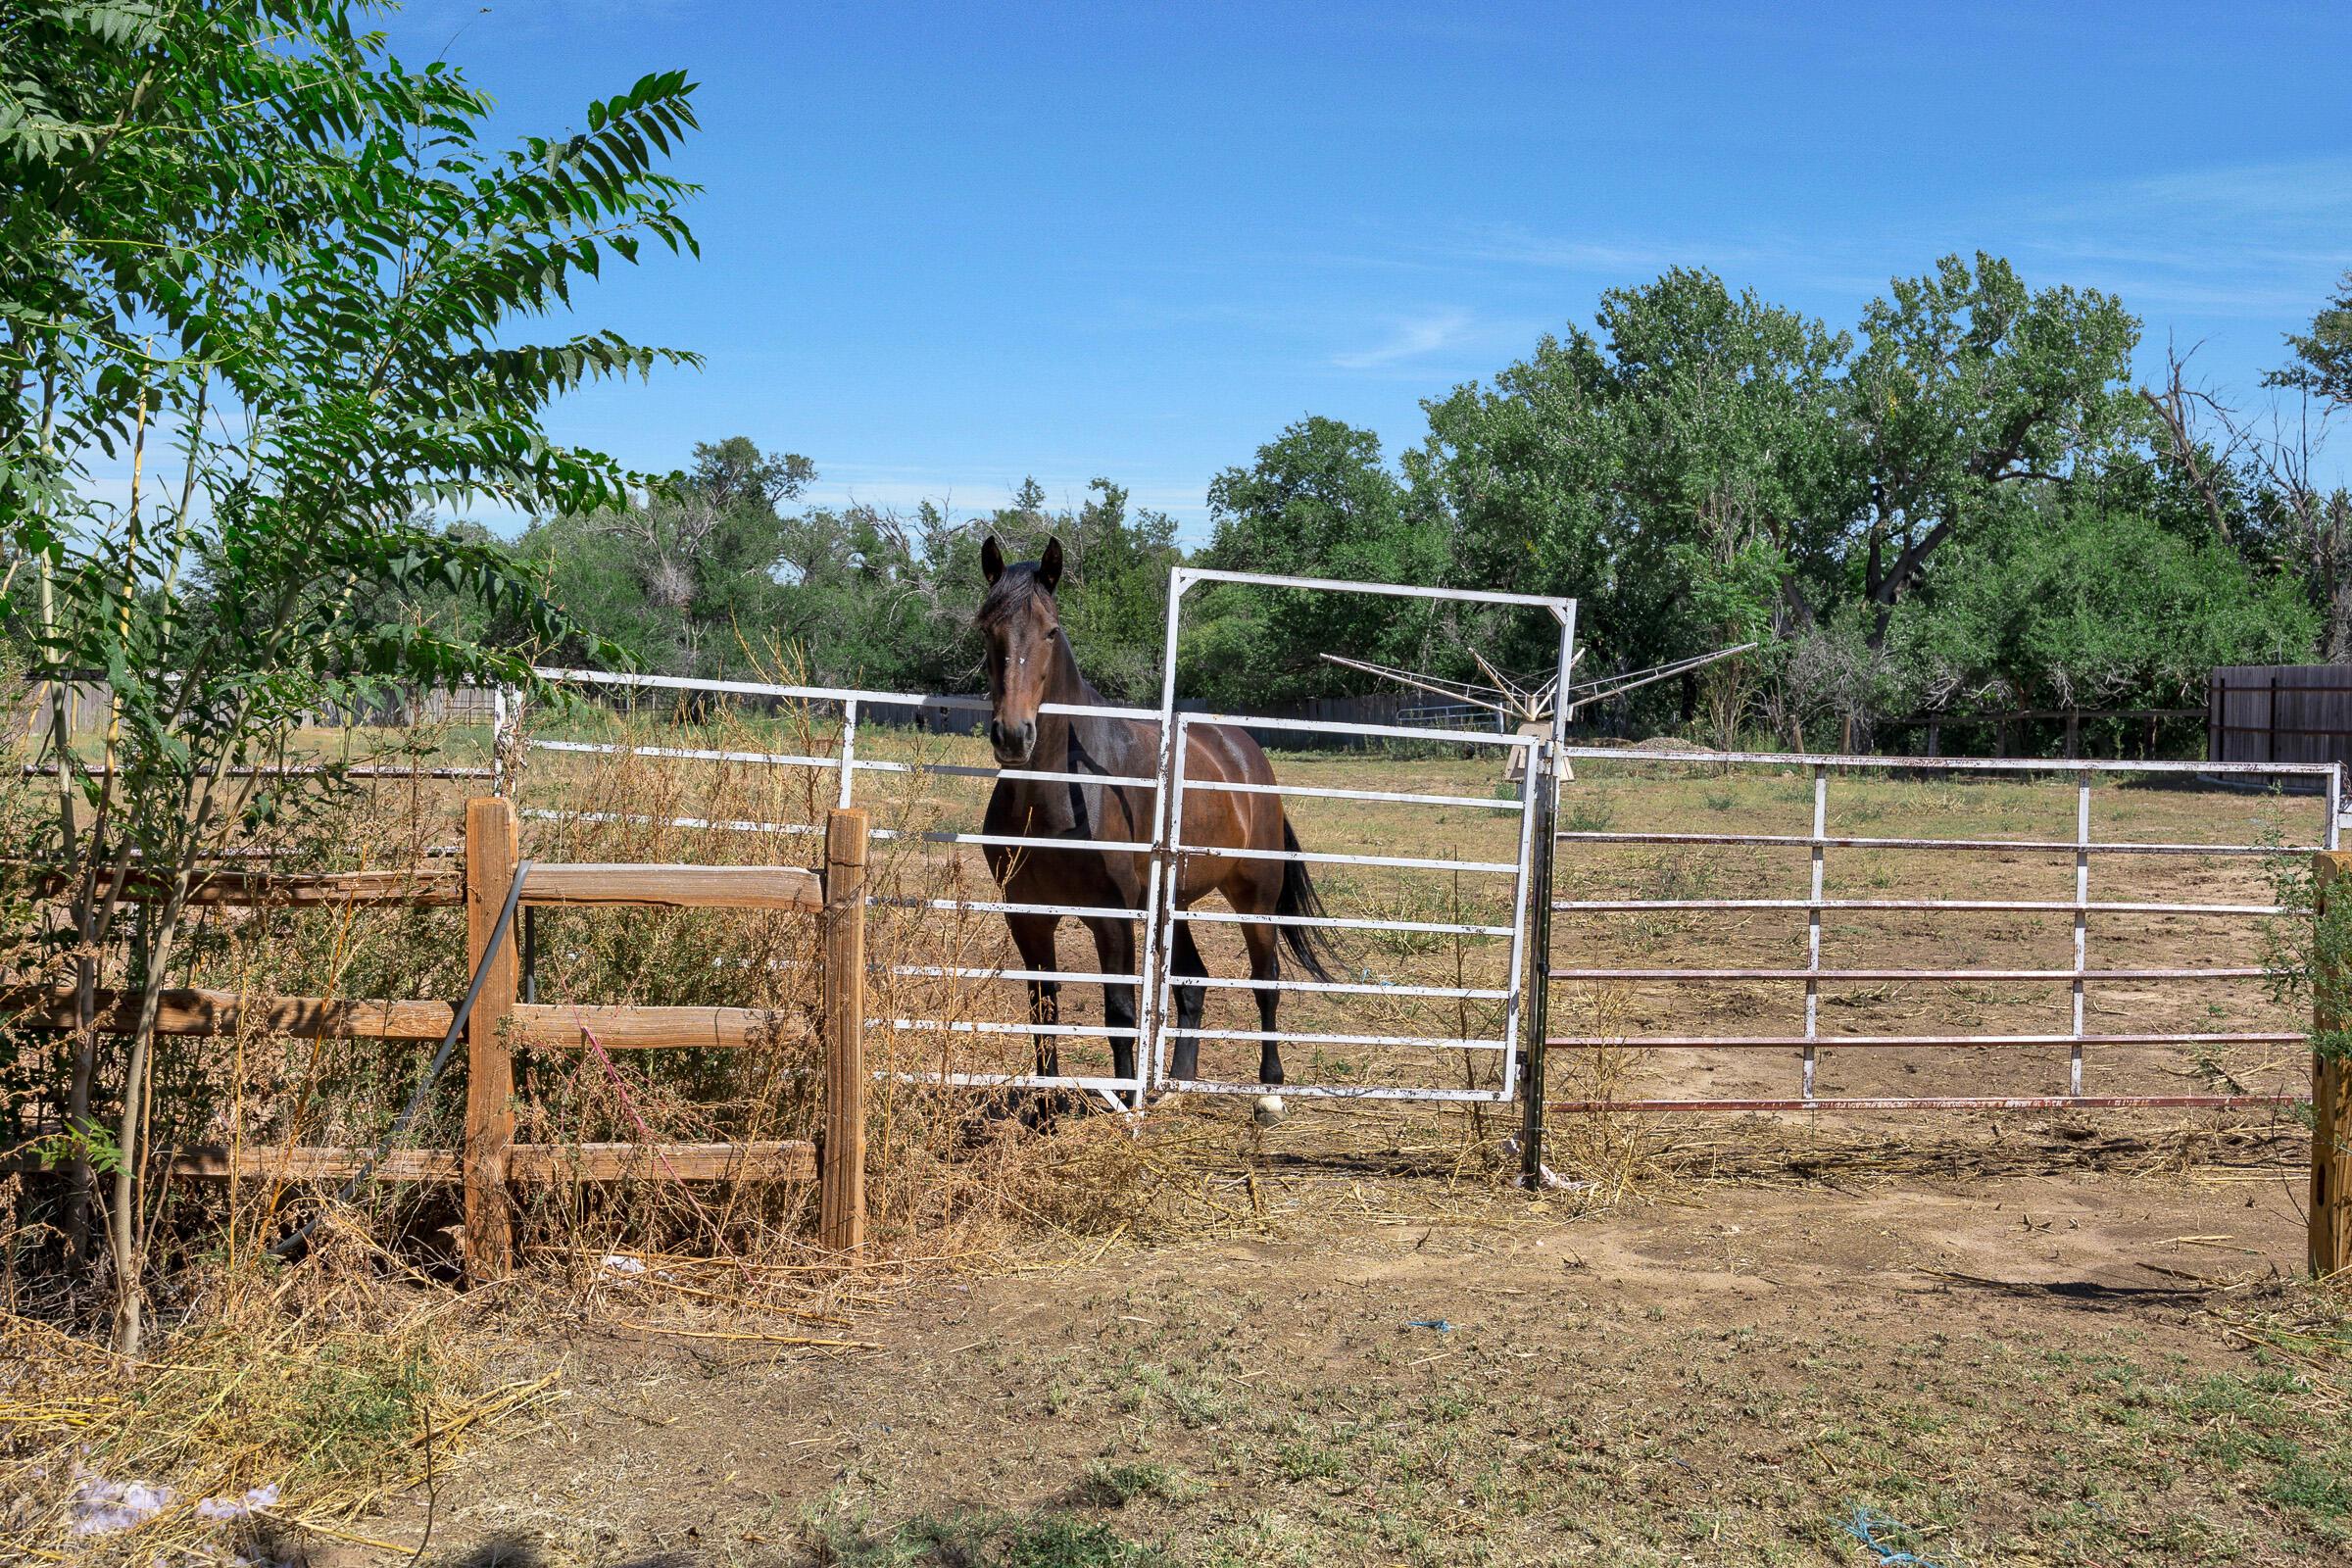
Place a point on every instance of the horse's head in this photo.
(1018, 620)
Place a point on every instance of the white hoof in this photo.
(1267, 1110)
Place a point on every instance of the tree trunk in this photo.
(124, 1230)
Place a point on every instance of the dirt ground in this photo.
(2027, 1368)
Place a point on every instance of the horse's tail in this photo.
(1307, 943)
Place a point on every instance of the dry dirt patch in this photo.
(2018, 1370)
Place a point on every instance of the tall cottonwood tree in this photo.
(1317, 502)
(1970, 387)
(244, 233)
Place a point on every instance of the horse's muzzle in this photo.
(1014, 744)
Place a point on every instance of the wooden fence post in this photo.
(490, 857)
(840, 1190)
(2330, 1096)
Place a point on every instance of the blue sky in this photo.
(946, 246)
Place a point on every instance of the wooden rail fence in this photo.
(489, 1159)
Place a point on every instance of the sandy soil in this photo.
(2011, 1367)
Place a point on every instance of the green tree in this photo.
(1317, 502)
(1687, 475)
(687, 575)
(253, 232)
(2323, 355)
(1969, 386)
(2067, 604)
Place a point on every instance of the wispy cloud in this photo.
(1409, 338)
(1617, 258)
(2247, 240)
(2313, 187)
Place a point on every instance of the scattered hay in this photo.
(285, 1402)
(2307, 1325)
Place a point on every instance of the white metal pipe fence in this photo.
(2078, 976)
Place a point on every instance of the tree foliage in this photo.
(1318, 502)
(245, 232)
(2323, 364)
(710, 575)
(1705, 469)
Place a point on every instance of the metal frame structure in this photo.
(846, 764)
(2076, 976)
(1159, 914)
(1167, 835)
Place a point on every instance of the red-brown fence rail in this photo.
(489, 1161)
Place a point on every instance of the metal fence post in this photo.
(490, 855)
(2330, 1212)
(841, 1177)
(1543, 775)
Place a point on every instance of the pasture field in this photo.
(1985, 1339)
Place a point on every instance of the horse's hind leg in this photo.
(1114, 948)
(1191, 1003)
(1033, 935)
(1265, 963)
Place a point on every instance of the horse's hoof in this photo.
(1267, 1110)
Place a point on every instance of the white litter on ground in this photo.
(1546, 1178)
(238, 1508)
(617, 1264)
(103, 1507)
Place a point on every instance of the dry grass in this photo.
(332, 1383)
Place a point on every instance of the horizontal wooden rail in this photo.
(652, 1028)
(422, 886)
(222, 1012)
(488, 1159)
(786, 1160)
(678, 887)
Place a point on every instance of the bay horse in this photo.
(1030, 663)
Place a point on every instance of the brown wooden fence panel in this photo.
(2279, 713)
(490, 1159)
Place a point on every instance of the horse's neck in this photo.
(1065, 682)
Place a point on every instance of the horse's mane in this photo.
(1012, 590)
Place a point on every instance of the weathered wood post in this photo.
(841, 1178)
(490, 855)
(2331, 1084)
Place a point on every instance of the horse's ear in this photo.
(1049, 567)
(991, 558)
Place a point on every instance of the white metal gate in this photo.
(1158, 915)
(1522, 869)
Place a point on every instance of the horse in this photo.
(1031, 663)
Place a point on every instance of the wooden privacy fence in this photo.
(2279, 713)
(489, 1159)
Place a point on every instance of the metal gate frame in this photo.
(846, 764)
(1527, 882)
(1158, 915)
